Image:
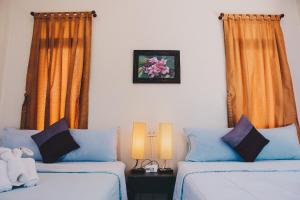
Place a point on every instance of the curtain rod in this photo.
(93, 13)
(222, 15)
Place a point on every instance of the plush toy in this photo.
(5, 184)
(20, 171)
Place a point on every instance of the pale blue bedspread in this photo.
(75, 181)
(262, 180)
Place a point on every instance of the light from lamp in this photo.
(138, 140)
(165, 141)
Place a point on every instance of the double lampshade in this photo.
(139, 133)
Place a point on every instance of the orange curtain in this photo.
(259, 83)
(58, 71)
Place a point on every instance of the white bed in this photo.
(75, 181)
(261, 180)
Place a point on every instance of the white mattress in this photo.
(262, 180)
(75, 181)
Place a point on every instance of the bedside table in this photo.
(152, 183)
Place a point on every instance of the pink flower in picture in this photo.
(155, 68)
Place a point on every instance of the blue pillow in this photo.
(206, 145)
(99, 145)
(15, 138)
(283, 144)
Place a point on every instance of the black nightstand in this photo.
(150, 183)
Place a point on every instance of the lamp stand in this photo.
(164, 169)
(136, 169)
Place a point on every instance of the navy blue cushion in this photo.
(55, 141)
(245, 140)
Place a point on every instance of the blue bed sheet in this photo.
(72, 181)
(276, 180)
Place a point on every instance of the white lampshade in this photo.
(165, 141)
(138, 140)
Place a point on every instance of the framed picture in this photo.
(156, 66)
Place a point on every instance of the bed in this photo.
(276, 180)
(91, 172)
(75, 180)
(213, 170)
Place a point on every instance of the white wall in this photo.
(4, 21)
(298, 6)
(190, 26)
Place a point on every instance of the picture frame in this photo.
(156, 66)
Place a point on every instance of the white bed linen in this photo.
(75, 180)
(262, 180)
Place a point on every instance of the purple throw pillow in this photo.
(55, 141)
(245, 140)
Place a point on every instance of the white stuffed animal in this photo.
(5, 184)
(16, 168)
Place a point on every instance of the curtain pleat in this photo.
(259, 83)
(58, 71)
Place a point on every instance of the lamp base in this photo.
(138, 171)
(165, 171)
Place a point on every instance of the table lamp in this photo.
(165, 146)
(138, 145)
